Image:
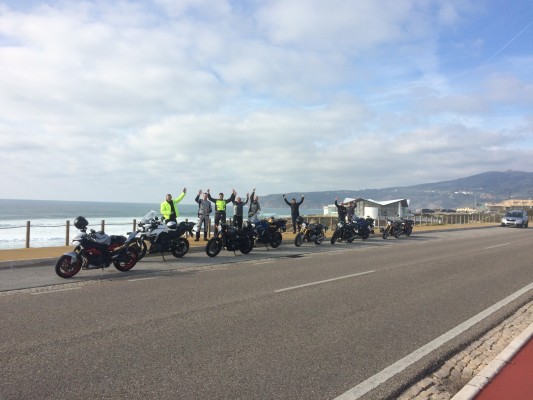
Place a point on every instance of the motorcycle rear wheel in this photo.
(213, 247)
(247, 247)
(127, 260)
(319, 239)
(276, 240)
(142, 249)
(67, 266)
(298, 240)
(180, 248)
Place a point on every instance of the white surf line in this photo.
(55, 290)
(324, 281)
(496, 246)
(393, 369)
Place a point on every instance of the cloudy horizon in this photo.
(130, 100)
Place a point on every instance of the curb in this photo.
(472, 388)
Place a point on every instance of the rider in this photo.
(238, 206)
(204, 210)
(254, 206)
(220, 207)
(341, 210)
(295, 211)
(169, 207)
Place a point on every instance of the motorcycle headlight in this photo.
(339, 225)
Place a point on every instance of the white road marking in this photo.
(142, 279)
(324, 281)
(498, 245)
(381, 377)
(56, 290)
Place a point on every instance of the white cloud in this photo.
(120, 100)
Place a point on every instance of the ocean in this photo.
(48, 219)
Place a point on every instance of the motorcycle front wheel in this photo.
(334, 237)
(385, 234)
(298, 240)
(127, 260)
(213, 247)
(276, 240)
(180, 248)
(67, 266)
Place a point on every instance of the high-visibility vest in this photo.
(220, 205)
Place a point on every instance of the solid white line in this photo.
(498, 245)
(381, 377)
(325, 281)
(142, 279)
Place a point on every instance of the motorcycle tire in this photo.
(298, 240)
(365, 235)
(142, 249)
(334, 238)
(397, 235)
(213, 247)
(276, 239)
(408, 232)
(247, 247)
(66, 267)
(180, 248)
(127, 260)
(319, 239)
(385, 234)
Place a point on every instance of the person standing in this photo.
(341, 210)
(238, 207)
(295, 211)
(169, 207)
(220, 207)
(204, 212)
(254, 206)
(350, 211)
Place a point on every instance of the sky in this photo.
(127, 101)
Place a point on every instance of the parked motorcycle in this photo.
(398, 228)
(268, 231)
(232, 239)
(361, 227)
(161, 236)
(344, 232)
(315, 233)
(97, 250)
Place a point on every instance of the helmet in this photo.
(80, 222)
(172, 225)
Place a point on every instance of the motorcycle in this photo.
(162, 237)
(315, 233)
(232, 239)
(370, 222)
(97, 250)
(361, 227)
(268, 231)
(344, 231)
(398, 228)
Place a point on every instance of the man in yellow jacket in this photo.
(169, 208)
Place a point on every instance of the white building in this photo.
(374, 208)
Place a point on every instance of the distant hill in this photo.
(463, 192)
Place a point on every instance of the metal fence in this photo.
(329, 220)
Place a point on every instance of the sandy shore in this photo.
(51, 252)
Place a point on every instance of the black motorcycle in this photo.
(232, 239)
(398, 228)
(268, 231)
(312, 233)
(97, 250)
(154, 236)
(361, 227)
(344, 232)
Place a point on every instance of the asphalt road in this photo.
(315, 322)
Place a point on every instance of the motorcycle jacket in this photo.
(295, 207)
(204, 206)
(220, 204)
(238, 207)
(166, 208)
(341, 211)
